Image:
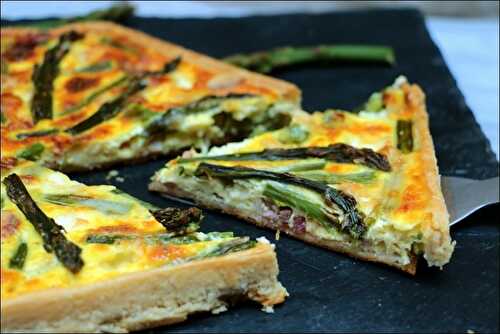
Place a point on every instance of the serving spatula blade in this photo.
(465, 196)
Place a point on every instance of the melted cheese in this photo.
(396, 204)
(79, 94)
(105, 211)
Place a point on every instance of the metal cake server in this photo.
(465, 196)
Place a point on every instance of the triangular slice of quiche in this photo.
(77, 258)
(92, 94)
(363, 183)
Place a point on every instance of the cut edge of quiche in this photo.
(93, 94)
(79, 258)
(364, 183)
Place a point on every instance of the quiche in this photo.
(77, 258)
(364, 183)
(88, 95)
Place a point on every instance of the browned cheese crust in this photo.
(67, 152)
(285, 89)
(416, 189)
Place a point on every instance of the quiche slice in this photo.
(77, 258)
(363, 183)
(88, 95)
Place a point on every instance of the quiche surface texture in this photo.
(95, 259)
(88, 95)
(364, 183)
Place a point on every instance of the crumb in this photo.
(268, 309)
(219, 309)
(263, 240)
(277, 235)
(112, 173)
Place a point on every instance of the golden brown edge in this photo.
(286, 90)
(338, 246)
(74, 309)
(438, 234)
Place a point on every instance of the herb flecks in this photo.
(45, 74)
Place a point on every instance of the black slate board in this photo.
(331, 292)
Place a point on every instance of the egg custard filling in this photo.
(363, 183)
(59, 233)
(90, 95)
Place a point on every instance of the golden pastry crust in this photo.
(173, 192)
(405, 212)
(150, 298)
(134, 272)
(125, 136)
(439, 246)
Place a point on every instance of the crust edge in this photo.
(439, 247)
(156, 297)
(337, 246)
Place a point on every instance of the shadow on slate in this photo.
(330, 292)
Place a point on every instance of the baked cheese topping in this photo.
(117, 234)
(88, 72)
(394, 197)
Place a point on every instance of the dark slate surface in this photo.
(331, 292)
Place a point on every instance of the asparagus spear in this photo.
(110, 109)
(53, 239)
(106, 206)
(405, 136)
(41, 133)
(338, 152)
(225, 247)
(32, 152)
(291, 198)
(19, 257)
(95, 95)
(107, 239)
(45, 74)
(177, 220)
(97, 67)
(116, 13)
(230, 246)
(306, 165)
(330, 178)
(352, 221)
(157, 238)
(266, 61)
(173, 116)
(163, 238)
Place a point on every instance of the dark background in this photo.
(331, 292)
